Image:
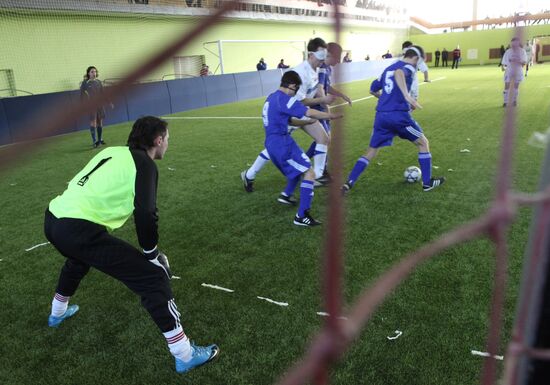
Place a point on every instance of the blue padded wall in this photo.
(248, 85)
(20, 111)
(220, 89)
(186, 94)
(119, 114)
(270, 81)
(161, 98)
(5, 136)
(148, 99)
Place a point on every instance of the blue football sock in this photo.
(291, 186)
(311, 150)
(358, 169)
(425, 161)
(92, 131)
(306, 196)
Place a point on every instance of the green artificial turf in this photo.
(214, 232)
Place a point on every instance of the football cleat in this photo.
(290, 201)
(101, 142)
(345, 189)
(434, 182)
(201, 355)
(248, 184)
(54, 322)
(322, 181)
(306, 220)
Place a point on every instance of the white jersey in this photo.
(310, 81)
(422, 67)
(513, 60)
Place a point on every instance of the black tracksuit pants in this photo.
(86, 244)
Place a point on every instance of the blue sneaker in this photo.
(54, 322)
(201, 355)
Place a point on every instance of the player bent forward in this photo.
(100, 198)
(285, 154)
(393, 118)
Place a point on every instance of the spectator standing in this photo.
(347, 59)
(456, 57)
(437, 56)
(90, 87)
(444, 58)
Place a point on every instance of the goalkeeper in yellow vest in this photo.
(117, 182)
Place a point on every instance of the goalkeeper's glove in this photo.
(158, 258)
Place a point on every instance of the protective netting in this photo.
(47, 45)
(337, 335)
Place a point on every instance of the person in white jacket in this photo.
(513, 61)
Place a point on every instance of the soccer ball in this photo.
(412, 174)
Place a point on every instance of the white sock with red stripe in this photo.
(178, 343)
(59, 305)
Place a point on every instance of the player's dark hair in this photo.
(87, 75)
(412, 53)
(314, 44)
(145, 130)
(406, 44)
(291, 77)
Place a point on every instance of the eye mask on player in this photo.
(321, 54)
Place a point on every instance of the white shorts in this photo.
(518, 76)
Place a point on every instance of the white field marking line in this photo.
(465, 150)
(35, 246)
(217, 287)
(398, 334)
(175, 277)
(274, 302)
(370, 97)
(485, 354)
(209, 117)
(353, 101)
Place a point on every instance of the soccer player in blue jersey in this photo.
(334, 56)
(283, 151)
(393, 118)
(310, 94)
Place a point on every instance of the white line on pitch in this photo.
(274, 302)
(370, 97)
(210, 117)
(485, 354)
(35, 246)
(217, 287)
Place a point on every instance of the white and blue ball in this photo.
(412, 174)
